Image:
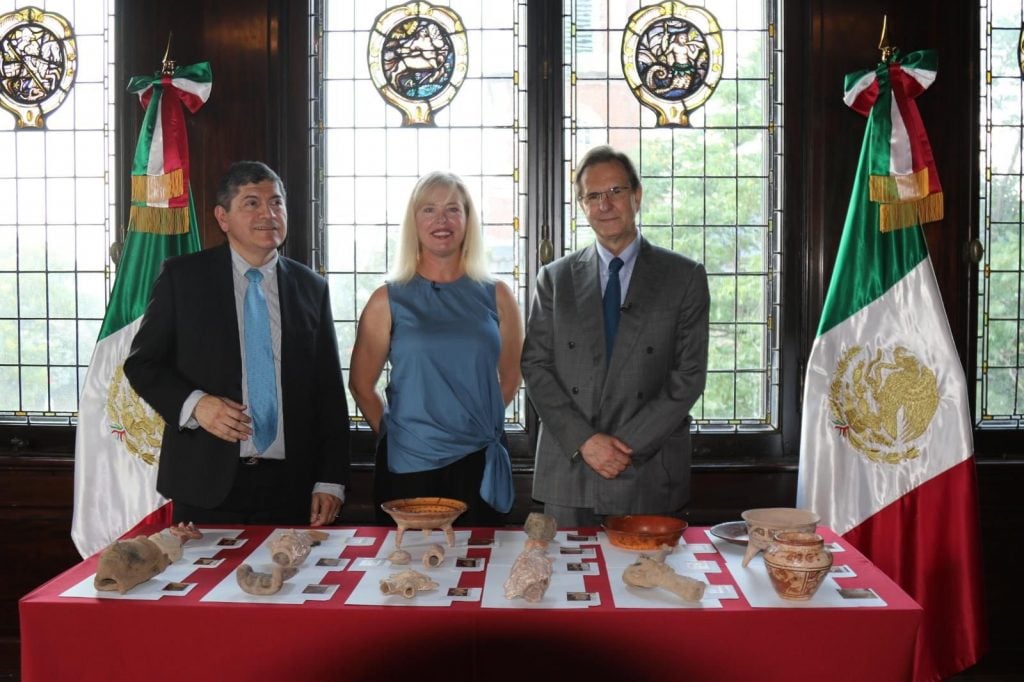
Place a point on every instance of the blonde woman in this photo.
(454, 339)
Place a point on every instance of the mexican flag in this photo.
(886, 440)
(117, 443)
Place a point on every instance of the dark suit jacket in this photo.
(188, 340)
(643, 397)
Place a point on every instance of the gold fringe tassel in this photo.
(896, 216)
(159, 220)
(887, 189)
(153, 189)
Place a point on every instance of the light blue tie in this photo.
(612, 307)
(259, 363)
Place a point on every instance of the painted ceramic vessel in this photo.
(797, 564)
(763, 524)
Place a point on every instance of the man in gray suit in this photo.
(614, 359)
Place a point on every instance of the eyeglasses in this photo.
(612, 193)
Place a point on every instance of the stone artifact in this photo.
(127, 563)
(434, 556)
(424, 513)
(763, 524)
(407, 583)
(261, 584)
(540, 527)
(797, 564)
(400, 557)
(530, 575)
(652, 571)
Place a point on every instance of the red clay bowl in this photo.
(640, 531)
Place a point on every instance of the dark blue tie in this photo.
(612, 307)
(259, 363)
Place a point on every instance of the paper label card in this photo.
(177, 587)
(463, 593)
(591, 598)
(857, 593)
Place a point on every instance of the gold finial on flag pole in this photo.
(883, 41)
(167, 68)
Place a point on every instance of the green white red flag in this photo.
(887, 454)
(117, 443)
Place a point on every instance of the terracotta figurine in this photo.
(652, 571)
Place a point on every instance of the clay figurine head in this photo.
(127, 563)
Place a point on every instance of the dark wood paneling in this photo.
(36, 495)
(257, 105)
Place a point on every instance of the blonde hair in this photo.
(408, 242)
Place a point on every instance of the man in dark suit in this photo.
(191, 361)
(614, 359)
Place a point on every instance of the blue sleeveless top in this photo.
(443, 399)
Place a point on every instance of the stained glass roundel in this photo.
(38, 61)
(672, 59)
(417, 57)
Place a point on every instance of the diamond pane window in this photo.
(56, 203)
(1000, 382)
(709, 168)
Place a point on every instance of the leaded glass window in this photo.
(1000, 379)
(370, 153)
(56, 203)
(710, 189)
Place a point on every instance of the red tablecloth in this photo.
(182, 638)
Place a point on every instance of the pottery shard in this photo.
(169, 544)
(407, 583)
(127, 563)
(185, 532)
(400, 557)
(252, 582)
(530, 576)
(434, 556)
(654, 572)
(540, 527)
(290, 548)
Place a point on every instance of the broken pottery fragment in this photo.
(290, 548)
(434, 556)
(252, 582)
(530, 576)
(407, 583)
(652, 571)
(168, 543)
(127, 563)
(400, 557)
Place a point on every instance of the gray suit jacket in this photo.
(643, 397)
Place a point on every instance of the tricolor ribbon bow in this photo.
(160, 179)
(903, 178)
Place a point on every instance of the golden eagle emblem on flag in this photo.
(132, 420)
(883, 401)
